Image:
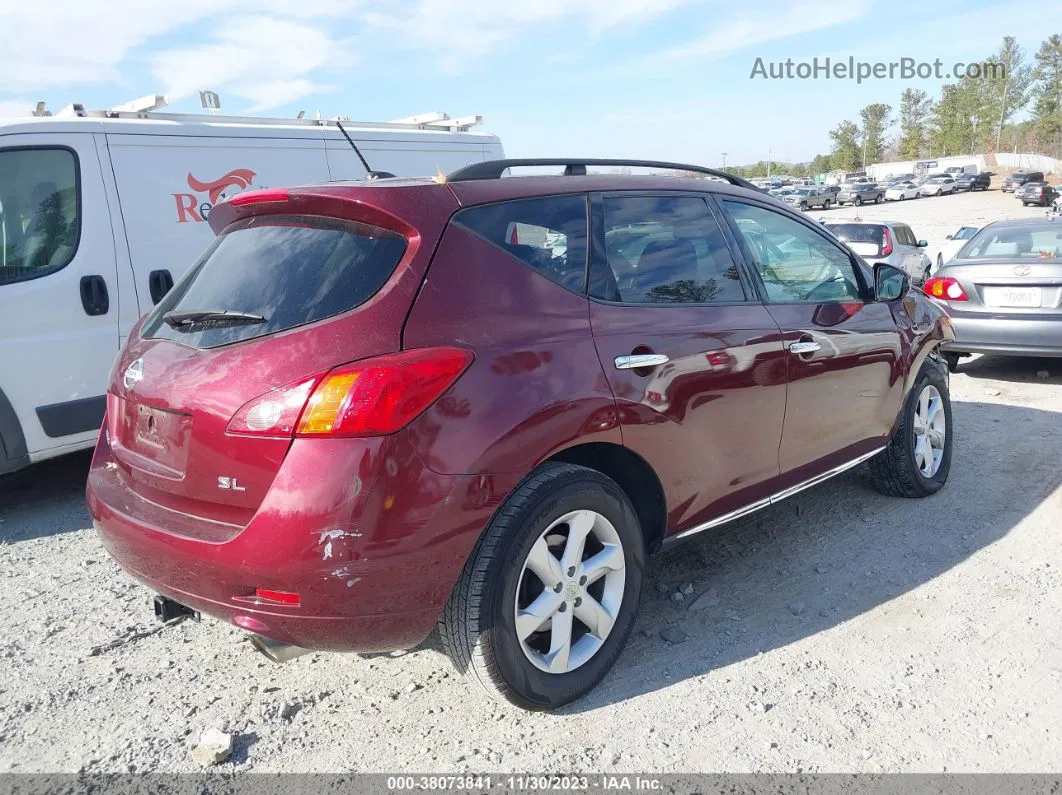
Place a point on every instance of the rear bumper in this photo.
(1013, 336)
(371, 540)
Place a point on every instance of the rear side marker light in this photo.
(282, 597)
(259, 197)
(944, 288)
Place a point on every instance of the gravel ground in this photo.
(839, 631)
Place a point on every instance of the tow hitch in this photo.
(166, 610)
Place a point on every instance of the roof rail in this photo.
(576, 167)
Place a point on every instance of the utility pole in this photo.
(724, 159)
(768, 164)
(1002, 112)
(865, 139)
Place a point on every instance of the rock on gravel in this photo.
(214, 747)
(673, 635)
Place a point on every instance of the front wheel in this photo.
(826, 204)
(879, 199)
(918, 458)
(857, 201)
(549, 595)
(803, 205)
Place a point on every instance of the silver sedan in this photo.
(1003, 291)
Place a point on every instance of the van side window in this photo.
(39, 212)
(547, 234)
(667, 250)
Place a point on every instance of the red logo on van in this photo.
(189, 206)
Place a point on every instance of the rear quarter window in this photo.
(547, 234)
(287, 270)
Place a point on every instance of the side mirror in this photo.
(923, 243)
(948, 237)
(890, 283)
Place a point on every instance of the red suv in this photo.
(373, 409)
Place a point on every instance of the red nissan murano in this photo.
(373, 409)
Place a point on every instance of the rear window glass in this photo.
(1023, 243)
(548, 234)
(858, 233)
(273, 273)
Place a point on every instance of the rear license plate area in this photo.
(1013, 297)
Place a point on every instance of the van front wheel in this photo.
(549, 595)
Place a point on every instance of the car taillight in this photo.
(371, 397)
(381, 395)
(274, 413)
(886, 242)
(259, 196)
(944, 288)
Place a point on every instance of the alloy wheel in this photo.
(930, 431)
(570, 591)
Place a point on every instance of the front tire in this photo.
(549, 595)
(918, 458)
(826, 204)
(879, 199)
(858, 201)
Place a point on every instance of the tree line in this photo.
(971, 116)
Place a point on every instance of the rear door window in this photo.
(273, 273)
(39, 212)
(666, 250)
(546, 233)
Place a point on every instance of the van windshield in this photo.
(273, 273)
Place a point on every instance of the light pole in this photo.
(724, 159)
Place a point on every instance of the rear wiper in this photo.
(201, 319)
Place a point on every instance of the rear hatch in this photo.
(295, 285)
(864, 239)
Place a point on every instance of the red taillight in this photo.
(381, 395)
(274, 413)
(945, 288)
(283, 597)
(259, 196)
(886, 242)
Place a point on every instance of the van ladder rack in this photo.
(576, 167)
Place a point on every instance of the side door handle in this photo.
(159, 283)
(804, 347)
(94, 297)
(638, 360)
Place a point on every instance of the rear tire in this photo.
(906, 468)
(479, 627)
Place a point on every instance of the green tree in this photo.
(876, 122)
(915, 109)
(1047, 93)
(820, 164)
(1006, 87)
(847, 154)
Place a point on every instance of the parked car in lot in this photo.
(937, 186)
(1019, 178)
(1002, 291)
(901, 190)
(310, 438)
(859, 192)
(805, 198)
(891, 242)
(951, 245)
(1038, 193)
(972, 182)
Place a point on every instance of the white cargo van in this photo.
(100, 211)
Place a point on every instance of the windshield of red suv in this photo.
(272, 273)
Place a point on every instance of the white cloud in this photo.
(465, 29)
(768, 24)
(267, 61)
(16, 107)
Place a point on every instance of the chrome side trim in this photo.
(776, 498)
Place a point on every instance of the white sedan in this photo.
(900, 191)
(938, 186)
(950, 247)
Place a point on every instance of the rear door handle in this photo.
(640, 360)
(159, 283)
(804, 347)
(94, 297)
